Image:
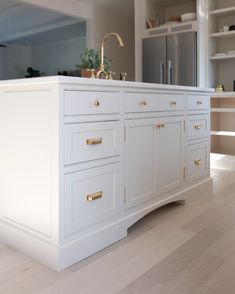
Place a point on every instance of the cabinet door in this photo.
(170, 153)
(140, 161)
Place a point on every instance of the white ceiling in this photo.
(122, 6)
(19, 20)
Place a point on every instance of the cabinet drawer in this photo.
(198, 102)
(86, 103)
(197, 126)
(91, 141)
(91, 196)
(197, 161)
(143, 102)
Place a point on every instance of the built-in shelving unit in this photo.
(221, 15)
(221, 64)
(223, 123)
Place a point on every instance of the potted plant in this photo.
(90, 60)
(33, 73)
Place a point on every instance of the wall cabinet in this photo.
(89, 158)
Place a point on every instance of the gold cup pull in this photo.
(96, 103)
(94, 196)
(199, 102)
(173, 103)
(94, 141)
(198, 161)
(198, 127)
(144, 103)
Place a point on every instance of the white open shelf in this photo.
(223, 11)
(222, 109)
(227, 56)
(223, 34)
(223, 95)
(172, 28)
(223, 133)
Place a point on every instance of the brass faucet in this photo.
(102, 73)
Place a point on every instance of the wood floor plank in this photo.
(142, 285)
(224, 247)
(222, 281)
(172, 265)
(191, 279)
(219, 217)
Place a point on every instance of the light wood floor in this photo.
(178, 249)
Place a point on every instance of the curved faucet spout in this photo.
(121, 44)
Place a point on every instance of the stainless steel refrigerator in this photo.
(171, 59)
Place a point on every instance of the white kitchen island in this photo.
(81, 160)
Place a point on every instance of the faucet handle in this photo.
(110, 75)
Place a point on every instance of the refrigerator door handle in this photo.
(169, 72)
(162, 65)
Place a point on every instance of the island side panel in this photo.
(29, 160)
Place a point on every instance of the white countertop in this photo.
(97, 82)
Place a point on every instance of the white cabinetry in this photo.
(82, 160)
(221, 43)
(170, 153)
(154, 157)
(141, 164)
(198, 134)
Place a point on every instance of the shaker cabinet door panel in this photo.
(140, 161)
(170, 153)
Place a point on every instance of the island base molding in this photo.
(61, 257)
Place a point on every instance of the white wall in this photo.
(18, 58)
(63, 55)
(106, 21)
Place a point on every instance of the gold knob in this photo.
(173, 102)
(198, 127)
(94, 196)
(144, 103)
(94, 141)
(160, 125)
(198, 161)
(96, 103)
(199, 102)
